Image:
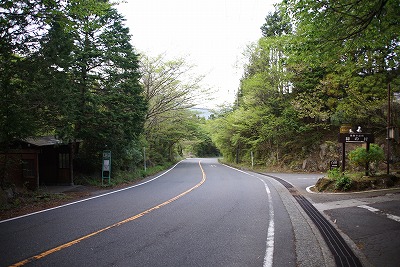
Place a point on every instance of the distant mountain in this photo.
(203, 112)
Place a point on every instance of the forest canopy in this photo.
(318, 64)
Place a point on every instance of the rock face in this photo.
(6, 196)
(320, 158)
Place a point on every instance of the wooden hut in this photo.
(38, 161)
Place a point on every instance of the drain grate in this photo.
(342, 253)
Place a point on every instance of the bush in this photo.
(334, 174)
(343, 183)
(342, 180)
(360, 157)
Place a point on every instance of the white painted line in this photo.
(371, 209)
(377, 211)
(393, 217)
(348, 203)
(308, 189)
(90, 198)
(269, 251)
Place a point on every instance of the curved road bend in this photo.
(199, 213)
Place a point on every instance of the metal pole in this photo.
(144, 158)
(237, 155)
(367, 164)
(343, 156)
(252, 159)
(387, 133)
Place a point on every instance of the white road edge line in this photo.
(90, 198)
(377, 211)
(269, 251)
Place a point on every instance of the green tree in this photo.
(353, 45)
(108, 108)
(78, 79)
(171, 88)
(276, 24)
(22, 24)
(201, 143)
(360, 157)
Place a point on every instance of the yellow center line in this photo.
(76, 241)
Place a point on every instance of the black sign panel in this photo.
(333, 164)
(356, 138)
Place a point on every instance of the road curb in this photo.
(308, 189)
(308, 240)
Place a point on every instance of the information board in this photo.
(106, 166)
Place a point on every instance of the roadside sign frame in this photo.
(106, 166)
(344, 138)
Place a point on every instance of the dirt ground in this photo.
(29, 202)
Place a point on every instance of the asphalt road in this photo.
(369, 221)
(200, 213)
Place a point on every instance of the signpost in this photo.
(351, 137)
(106, 169)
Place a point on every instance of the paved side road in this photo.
(369, 221)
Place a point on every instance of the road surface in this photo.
(199, 213)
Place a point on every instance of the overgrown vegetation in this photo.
(318, 65)
(68, 69)
(341, 180)
(362, 158)
(122, 177)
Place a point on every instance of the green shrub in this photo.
(342, 180)
(360, 157)
(343, 183)
(334, 174)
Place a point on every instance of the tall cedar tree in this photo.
(105, 107)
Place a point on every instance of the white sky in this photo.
(211, 34)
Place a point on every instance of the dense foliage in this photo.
(360, 156)
(68, 69)
(171, 89)
(319, 64)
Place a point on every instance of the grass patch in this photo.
(342, 181)
(31, 198)
(357, 181)
(122, 177)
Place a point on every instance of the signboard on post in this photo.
(356, 138)
(106, 166)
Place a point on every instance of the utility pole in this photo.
(144, 159)
(388, 133)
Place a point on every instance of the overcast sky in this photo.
(211, 34)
